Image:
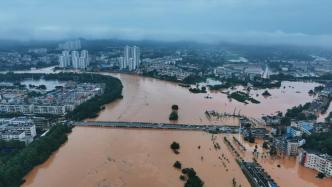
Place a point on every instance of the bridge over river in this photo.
(145, 125)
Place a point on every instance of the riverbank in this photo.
(18, 165)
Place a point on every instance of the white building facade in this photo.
(75, 59)
(131, 58)
(319, 162)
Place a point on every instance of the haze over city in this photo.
(296, 22)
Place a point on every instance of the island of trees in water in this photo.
(242, 97)
(173, 116)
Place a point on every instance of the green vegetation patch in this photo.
(242, 97)
(321, 142)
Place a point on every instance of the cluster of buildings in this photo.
(127, 59)
(168, 66)
(290, 143)
(74, 59)
(19, 128)
(131, 58)
(248, 70)
(300, 68)
(288, 146)
(56, 102)
(38, 57)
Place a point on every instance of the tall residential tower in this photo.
(131, 60)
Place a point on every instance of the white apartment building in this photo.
(85, 56)
(22, 124)
(75, 60)
(292, 148)
(131, 58)
(75, 57)
(8, 135)
(37, 109)
(16, 108)
(319, 162)
(64, 59)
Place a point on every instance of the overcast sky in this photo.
(302, 22)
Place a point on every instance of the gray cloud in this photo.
(299, 22)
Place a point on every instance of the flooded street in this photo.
(289, 172)
(125, 158)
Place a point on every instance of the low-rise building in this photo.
(293, 132)
(10, 129)
(305, 126)
(272, 120)
(18, 135)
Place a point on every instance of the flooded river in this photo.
(126, 158)
(150, 100)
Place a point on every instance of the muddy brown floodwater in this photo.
(150, 100)
(126, 158)
(289, 172)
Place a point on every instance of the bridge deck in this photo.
(118, 124)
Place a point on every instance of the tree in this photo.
(173, 116)
(320, 175)
(175, 107)
(266, 93)
(311, 92)
(42, 87)
(182, 177)
(234, 182)
(175, 146)
(193, 179)
(177, 165)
